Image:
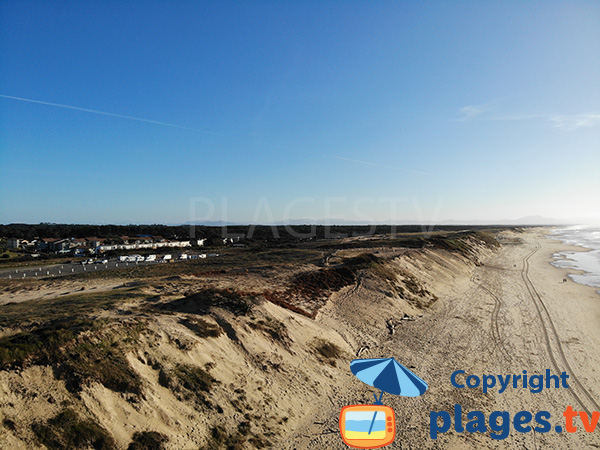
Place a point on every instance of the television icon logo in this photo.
(367, 426)
(374, 426)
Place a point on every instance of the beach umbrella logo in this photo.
(374, 426)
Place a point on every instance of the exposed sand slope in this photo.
(271, 385)
(487, 322)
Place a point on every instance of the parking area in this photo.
(90, 265)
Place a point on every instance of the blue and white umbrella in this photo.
(388, 375)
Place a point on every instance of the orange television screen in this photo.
(367, 426)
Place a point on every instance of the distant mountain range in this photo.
(528, 220)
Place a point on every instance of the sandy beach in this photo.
(226, 224)
(497, 311)
(513, 313)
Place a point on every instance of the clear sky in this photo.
(261, 111)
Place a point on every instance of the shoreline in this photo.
(569, 258)
(488, 320)
(555, 246)
(505, 311)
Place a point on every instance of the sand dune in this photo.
(270, 377)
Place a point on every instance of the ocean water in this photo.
(358, 424)
(589, 262)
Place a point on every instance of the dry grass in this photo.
(65, 307)
(273, 328)
(327, 351)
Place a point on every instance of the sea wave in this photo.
(588, 262)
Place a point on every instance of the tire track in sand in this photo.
(540, 306)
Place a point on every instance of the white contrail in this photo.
(380, 165)
(103, 113)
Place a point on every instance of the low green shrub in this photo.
(201, 302)
(67, 431)
(147, 440)
(43, 344)
(220, 439)
(187, 382)
(79, 351)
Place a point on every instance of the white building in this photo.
(153, 245)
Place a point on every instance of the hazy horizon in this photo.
(523, 221)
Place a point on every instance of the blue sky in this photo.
(262, 111)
